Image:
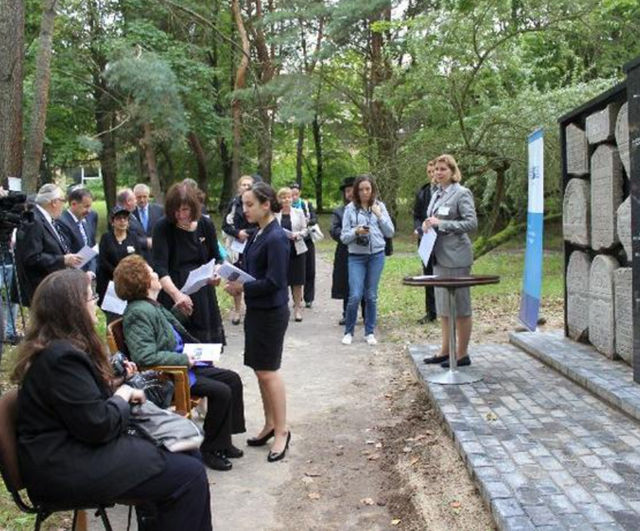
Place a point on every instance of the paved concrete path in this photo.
(545, 453)
(321, 376)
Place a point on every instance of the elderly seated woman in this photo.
(155, 336)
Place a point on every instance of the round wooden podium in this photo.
(454, 376)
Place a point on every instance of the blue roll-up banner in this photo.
(532, 275)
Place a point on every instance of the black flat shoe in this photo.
(217, 461)
(260, 441)
(462, 362)
(436, 359)
(277, 456)
(428, 318)
(233, 453)
(342, 321)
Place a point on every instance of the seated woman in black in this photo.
(72, 440)
(154, 336)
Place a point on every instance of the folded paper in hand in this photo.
(111, 302)
(238, 246)
(427, 242)
(87, 254)
(204, 353)
(199, 278)
(234, 274)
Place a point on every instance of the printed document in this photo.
(199, 278)
(204, 353)
(427, 242)
(238, 246)
(234, 274)
(111, 302)
(87, 254)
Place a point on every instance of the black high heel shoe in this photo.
(260, 441)
(277, 456)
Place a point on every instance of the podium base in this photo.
(453, 377)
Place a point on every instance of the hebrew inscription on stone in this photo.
(622, 137)
(602, 324)
(577, 151)
(606, 196)
(623, 222)
(578, 272)
(624, 313)
(600, 126)
(576, 213)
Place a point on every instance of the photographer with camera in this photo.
(365, 226)
(42, 246)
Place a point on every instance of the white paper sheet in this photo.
(87, 253)
(111, 302)
(426, 245)
(232, 273)
(238, 246)
(199, 278)
(204, 352)
(15, 184)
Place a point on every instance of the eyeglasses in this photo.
(93, 298)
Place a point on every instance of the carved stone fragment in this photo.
(600, 126)
(623, 226)
(602, 325)
(624, 313)
(576, 213)
(622, 137)
(577, 151)
(578, 272)
(606, 196)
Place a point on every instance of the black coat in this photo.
(76, 242)
(234, 219)
(340, 279)
(72, 444)
(38, 253)
(111, 252)
(155, 214)
(420, 205)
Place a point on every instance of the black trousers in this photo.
(429, 292)
(225, 412)
(310, 272)
(180, 495)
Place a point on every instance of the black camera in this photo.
(363, 239)
(13, 213)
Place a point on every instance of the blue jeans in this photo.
(10, 310)
(365, 271)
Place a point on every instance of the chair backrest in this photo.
(8, 441)
(116, 331)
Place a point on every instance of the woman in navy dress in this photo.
(266, 258)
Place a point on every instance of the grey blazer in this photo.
(457, 213)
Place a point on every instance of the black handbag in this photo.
(388, 246)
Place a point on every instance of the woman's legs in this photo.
(266, 406)
(237, 309)
(180, 493)
(273, 385)
(297, 301)
(374, 272)
(357, 275)
(463, 335)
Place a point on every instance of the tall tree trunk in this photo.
(35, 140)
(240, 81)
(169, 177)
(201, 161)
(300, 153)
(104, 128)
(490, 225)
(265, 143)
(226, 162)
(11, 66)
(317, 140)
(152, 165)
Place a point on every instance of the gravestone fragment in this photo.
(576, 213)
(578, 272)
(622, 137)
(602, 325)
(622, 280)
(600, 126)
(606, 196)
(623, 222)
(577, 151)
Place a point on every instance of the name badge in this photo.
(443, 211)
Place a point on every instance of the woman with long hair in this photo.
(73, 444)
(365, 226)
(267, 301)
(452, 214)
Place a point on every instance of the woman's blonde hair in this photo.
(284, 191)
(456, 176)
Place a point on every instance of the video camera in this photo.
(13, 213)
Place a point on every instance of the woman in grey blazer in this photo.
(452, 214)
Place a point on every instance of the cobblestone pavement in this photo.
(612, 381)
(545, 453)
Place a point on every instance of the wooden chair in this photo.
(182, 399)
(13, 480)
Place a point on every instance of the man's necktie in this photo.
(144, 218)
(83, 232)
(63, 241)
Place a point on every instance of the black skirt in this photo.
(264, 337)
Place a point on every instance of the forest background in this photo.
(310, 91)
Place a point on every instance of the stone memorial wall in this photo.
(597, 230)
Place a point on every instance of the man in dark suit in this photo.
(42, 246)
(75, 219)
(147, 213)
(126, 199)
